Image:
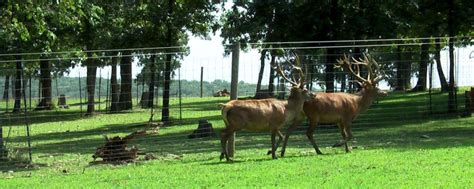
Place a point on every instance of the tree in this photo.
(183, 16)
(257, 22)
(90, 17)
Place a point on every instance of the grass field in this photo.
(400, 143)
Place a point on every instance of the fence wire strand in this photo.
(66, 129)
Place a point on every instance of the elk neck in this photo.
(365, 98)
(295, 101)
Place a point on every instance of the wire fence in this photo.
(33, 136)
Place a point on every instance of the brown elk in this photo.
(342, 108)
(266, 114)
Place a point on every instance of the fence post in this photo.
(233, 91)
(80, 92)
(100, 83)
(202, 74)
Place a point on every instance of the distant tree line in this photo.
(69, 86)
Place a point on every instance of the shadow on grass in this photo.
(37, 117)
(109, 130)
(178, 143)
(386, 116)
(17, 165)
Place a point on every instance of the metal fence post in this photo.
(233, 91)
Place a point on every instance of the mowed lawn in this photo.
(399, 143)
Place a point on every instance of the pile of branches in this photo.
(115, 149)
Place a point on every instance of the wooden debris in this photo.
(115, 149)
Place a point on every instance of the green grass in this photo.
(400, 142)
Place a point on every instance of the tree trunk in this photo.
(271, 81)
(6, 88)
(19, 68)
(331, 52)
(399, 74)
(423, 68)
(114, 87)
(151, 86)
(403, 72)
(165, 112)
(166, 90)
(90, 82)
(260, 73)
(125, 100)
(442, 78)
(329, 71)
(2, 146)
(45, 80)
(452, 87)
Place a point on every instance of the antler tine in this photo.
(299, 68)
(375, 70)
(346, 63)
(380, 73)
(278, 69)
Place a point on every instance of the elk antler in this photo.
(374, 73)
(346, 64)
(297, 68)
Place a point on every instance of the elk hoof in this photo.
(222, 156)
(348, 149)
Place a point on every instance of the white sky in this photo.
(210, 55)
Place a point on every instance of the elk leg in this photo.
(287, 136)
(280, 137)
(348, 133)
(224, 138)
(274, 144)
(343, 134)
(309, 134)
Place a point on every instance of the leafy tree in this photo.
(183, 16)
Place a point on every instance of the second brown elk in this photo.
(267, 114)
(342, 108)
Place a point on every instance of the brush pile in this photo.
(115, 149)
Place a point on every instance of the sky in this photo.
(209, 54)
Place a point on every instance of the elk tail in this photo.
(224, 109)
(221, 106)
